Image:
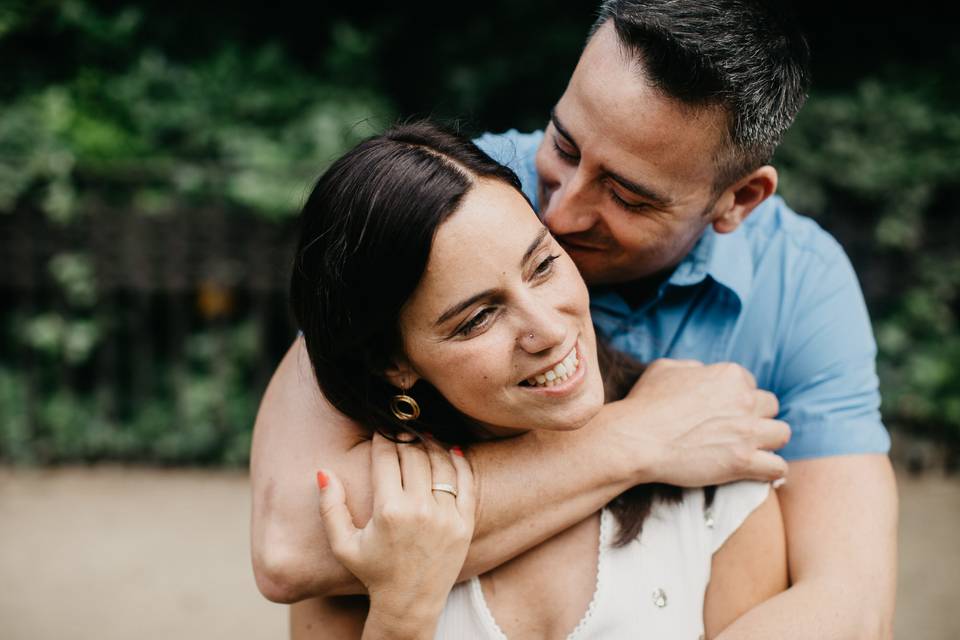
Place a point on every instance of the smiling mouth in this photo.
(557, 374)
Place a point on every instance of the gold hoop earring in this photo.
(404, 408)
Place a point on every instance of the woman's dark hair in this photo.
(365, 237)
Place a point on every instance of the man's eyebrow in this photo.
(629, 185)
(639, 189)
(464, 304)
(560, 128)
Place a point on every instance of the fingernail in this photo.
(779, 482)
(322, 480)
(405, 436)
(457, 451)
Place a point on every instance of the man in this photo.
(653, 175)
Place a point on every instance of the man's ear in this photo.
(401, 374)
(743, 196)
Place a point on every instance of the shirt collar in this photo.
(725, 258)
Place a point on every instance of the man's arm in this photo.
(841, 520)
(840, 503)
(528, 488)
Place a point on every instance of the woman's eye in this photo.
(546, 266)
(564, 155)
(476, 322)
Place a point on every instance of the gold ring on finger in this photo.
(446, 488)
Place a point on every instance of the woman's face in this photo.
(500, 322)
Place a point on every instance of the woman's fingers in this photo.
(466, 496)
(415, 468)
(337, 522)
(384, 470)
(442, 472)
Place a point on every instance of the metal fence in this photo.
(138, 338)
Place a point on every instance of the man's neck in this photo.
(639, 292)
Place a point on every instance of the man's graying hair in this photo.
(748, 58)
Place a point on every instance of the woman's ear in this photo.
(401, 374)
(743, 197)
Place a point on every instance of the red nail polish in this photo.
(322, 480)
(457, 451)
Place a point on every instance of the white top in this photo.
(654, 585)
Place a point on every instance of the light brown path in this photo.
(149, 554)
(128, 553)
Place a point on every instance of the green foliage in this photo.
(880, 164)
(241, 129)
(200, 411)
(151, 109)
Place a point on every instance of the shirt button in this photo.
(708, 518)
(660, 598)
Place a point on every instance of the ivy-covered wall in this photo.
(153, 155)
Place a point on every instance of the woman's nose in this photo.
(543, 331)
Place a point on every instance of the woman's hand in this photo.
(410, 552)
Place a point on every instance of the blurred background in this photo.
(153, 157)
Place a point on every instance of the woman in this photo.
(432, 299)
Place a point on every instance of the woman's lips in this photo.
(571, 383)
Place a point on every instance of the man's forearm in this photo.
(825, 609)
(841, 516)
(534, 486)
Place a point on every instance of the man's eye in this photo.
(476, 322)
(564, 155)
(632, 206)
(546, 266)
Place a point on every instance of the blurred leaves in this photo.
(880, 166)
(243, 128)
(149, 108)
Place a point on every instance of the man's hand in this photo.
(690, 424)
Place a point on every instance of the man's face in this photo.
(626, 174)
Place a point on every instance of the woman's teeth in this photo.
(558, 374)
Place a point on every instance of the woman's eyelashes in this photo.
(478, 321)
(545, 266)
(482, 318)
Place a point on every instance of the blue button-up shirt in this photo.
(778, 296)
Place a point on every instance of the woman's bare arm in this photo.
(750, 568)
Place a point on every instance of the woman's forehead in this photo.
(479, 245)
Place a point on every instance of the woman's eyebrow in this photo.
(464, 304)
(533, 246)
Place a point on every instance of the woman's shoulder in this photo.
(731, 506)
(716, 512)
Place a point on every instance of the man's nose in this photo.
(568, 209)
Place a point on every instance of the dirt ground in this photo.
(109, 553)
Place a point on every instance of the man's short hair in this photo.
(748, 58)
